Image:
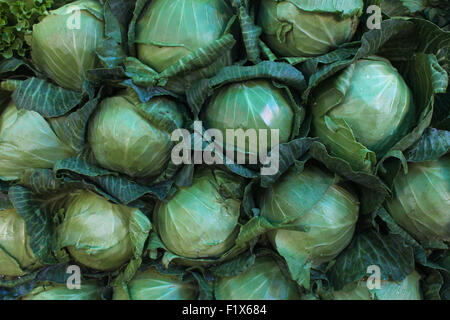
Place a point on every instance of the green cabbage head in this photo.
(312, 199)
(253, 104)
(407, 289)
(64, 42)
(153, 285)
(88, 291)
(28, 141)
(95, 231)
(16, 255)
(363, 111)
(298, 28)
(421, 202)
(201, 221)
(168, 31)
(264, 280)
(132, 137)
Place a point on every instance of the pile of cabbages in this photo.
(118, 180)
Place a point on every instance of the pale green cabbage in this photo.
(153, 285)
(64, 50)
(16, 255)
(421, 202)
(168, 31)
(132, 137)
(264, 280)
(88, 291)
(407, 289)
(200, 221)
(313, 200)
(95, 231)
(298, 28)
(254, 104)
(363, 111)
(27, 141)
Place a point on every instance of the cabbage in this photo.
(254, 104)
(264, 280)
(168, 31)
(16, 255)
(363, 111)
(421, 200)
(64, 50)
(134, 138)
(406, 289)
(311, 199)
(95, 231)
(153, 285)
(88, 291)
(27, 141)
(311, 218)
(295, 28)
(201, 221)
(249, 110)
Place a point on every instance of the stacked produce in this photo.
(119, 180)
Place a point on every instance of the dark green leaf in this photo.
(389, 252)
(45, 98)
(37, 222)
(433, 145)
(120, 187)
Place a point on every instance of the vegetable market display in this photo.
(94, 204)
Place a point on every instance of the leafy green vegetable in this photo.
(407, 289)
(16, 256)
(421, 200)
(370, 251)
(88, 291)
(16, 21)
(153, 285)
(133, 137)
(317, 218)
(28, 141)
(351, 202)
(168, 33)
(295, 28)
(263, 280)
(201, 221)
(362, 112)
(99, 234)
(76, 30)
(255, 104)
